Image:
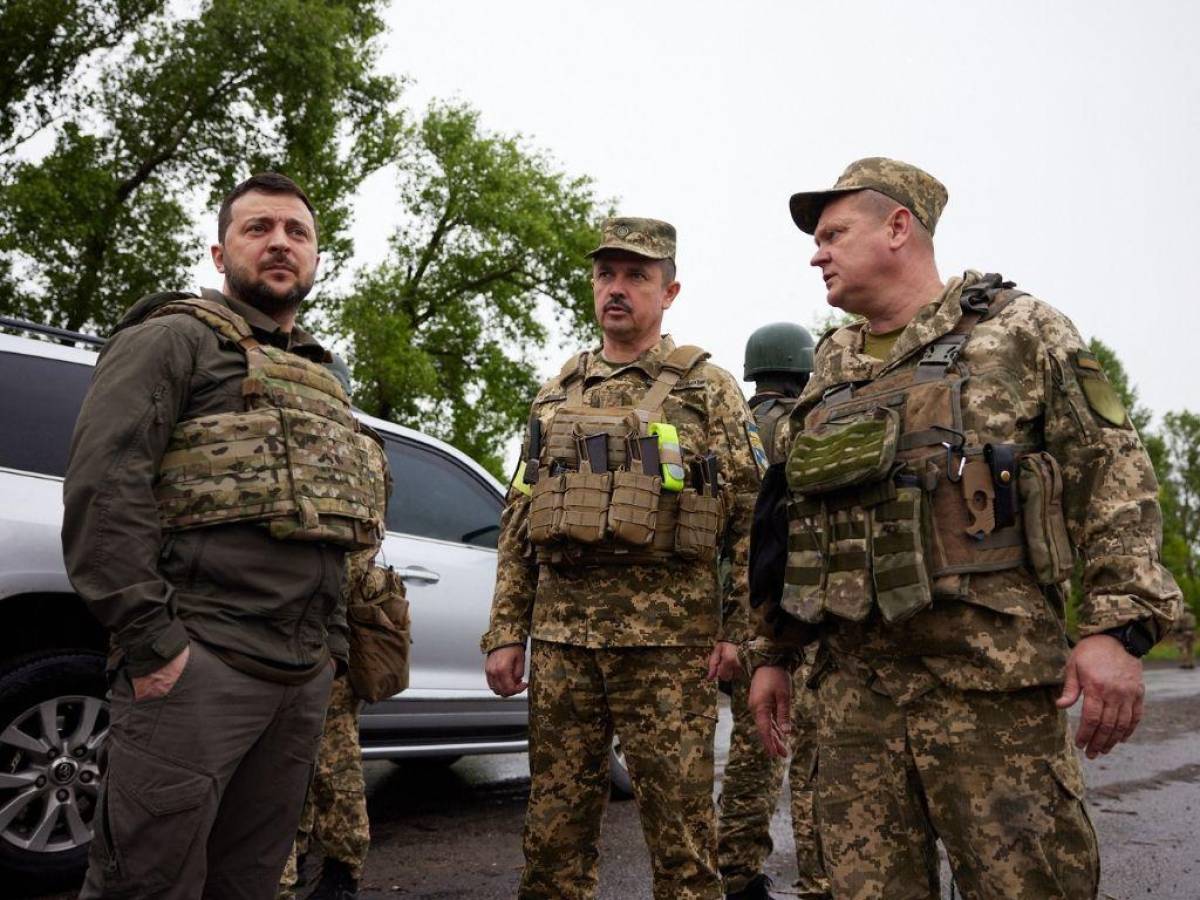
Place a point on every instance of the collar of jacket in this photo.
(649, 363)
(266, 329)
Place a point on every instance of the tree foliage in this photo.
(189, 106)
(443, 333)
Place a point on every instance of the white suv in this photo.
(443, 521)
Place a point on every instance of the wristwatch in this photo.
(1136, 637)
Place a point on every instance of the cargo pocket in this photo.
(1040, 488)
(1072, 845)
(545, 510)
(699, 525)
(899, 555)
(633, 514)
(155, 811)
(848, 586)
(803, 581)
(380, 628)
(585, 506)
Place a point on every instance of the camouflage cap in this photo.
(651, 238)
(912, 188)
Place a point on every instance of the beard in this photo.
(258, 292)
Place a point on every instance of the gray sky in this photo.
(1068, 135)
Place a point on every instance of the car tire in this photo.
(54, 782)
(618, 772)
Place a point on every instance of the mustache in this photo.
(618, 303)
(278, 260)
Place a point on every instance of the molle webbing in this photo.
(294, 458)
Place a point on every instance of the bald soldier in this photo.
(953, 453)
(639, 468)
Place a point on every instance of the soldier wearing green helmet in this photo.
(778, 359)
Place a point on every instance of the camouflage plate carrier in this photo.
(890, 501)
(612, 511)
(294, 459)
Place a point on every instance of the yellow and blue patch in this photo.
(756, 448)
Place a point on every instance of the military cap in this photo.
(651, 238)
(918, 191)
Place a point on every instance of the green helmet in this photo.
(779, 347)
(338, 369)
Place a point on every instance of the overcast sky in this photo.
(1067, 133)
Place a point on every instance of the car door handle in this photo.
(418, 573)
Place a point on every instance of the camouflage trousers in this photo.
(1186, 641)
(335, 811)
(751, 787)
(992, 774)
(656, 698)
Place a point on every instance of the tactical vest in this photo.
(768, 414)
(595, 502)
(888, 494)
(294, 459)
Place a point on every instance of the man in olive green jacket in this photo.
(224, 637)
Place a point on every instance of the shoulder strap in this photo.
(982, 300)
(570, 377)
(681, 361)
(216, 316)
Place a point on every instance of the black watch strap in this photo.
(1136, 637)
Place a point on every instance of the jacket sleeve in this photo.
(516, 575)
(111, 534)
(1110, 494)
(729, 439)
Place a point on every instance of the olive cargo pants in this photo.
(657, 699)
(202, 788)
(992, 774)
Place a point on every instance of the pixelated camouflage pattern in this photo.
(651, 238)
(992, 774)
(1185, 638)
(999, 631)
(334, 822)
(294, 457)
(750, 790)
(909, 186)
(673, 604)
(665, 711)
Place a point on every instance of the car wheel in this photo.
(618, 772)
(53, 722)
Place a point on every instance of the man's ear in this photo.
(218, 257)
(671, 294)
(900, 226)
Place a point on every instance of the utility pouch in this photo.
(1040, 487)
(377, 615)
(585, 501)
(848, 591)
(836, 455)
(803, 580)
(900, 531)
(633, 512)
(546, 509)
(699, 524)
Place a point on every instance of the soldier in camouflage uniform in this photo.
(1185, 638)
(950, 452)
(779, 361)
(619, 591)
(335, 811)
(216, 482)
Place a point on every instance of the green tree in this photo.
(193, 105)
(1181, 544)
(443, 334)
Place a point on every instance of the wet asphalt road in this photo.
(456, 832)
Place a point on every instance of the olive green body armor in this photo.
(295, 459)
(890, 505)
(599, 498)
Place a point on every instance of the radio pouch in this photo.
(1040, 488)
